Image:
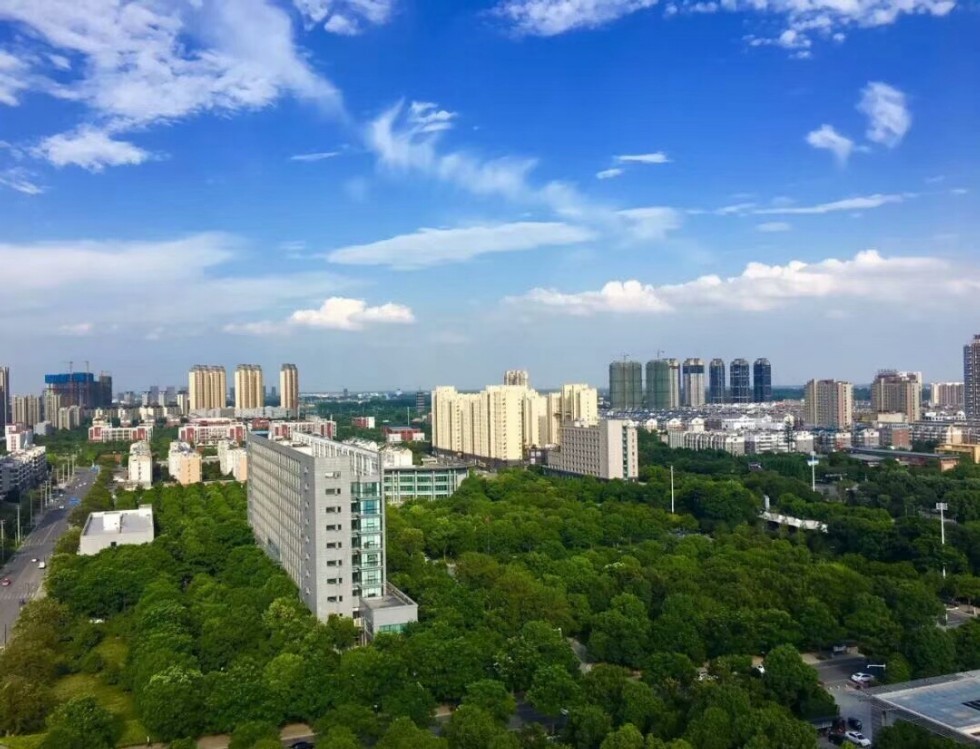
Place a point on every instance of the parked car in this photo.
(854, 723)
(42, 565)
(862, 679)
(857, 738)
(301, 745)
(5, 582)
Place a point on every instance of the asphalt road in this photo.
(25, 576)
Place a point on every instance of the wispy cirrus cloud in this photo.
(847, 204)
(345, 17)
(609, 173)
(553, 17)
(760, 287)
(657, 157)
(21, 180)
(773, 226)
(427, 247)
(316, 156)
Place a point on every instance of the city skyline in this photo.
(712, 173)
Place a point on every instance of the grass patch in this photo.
(31, 741)
(113, 651)
(112, 698)
(134, 734)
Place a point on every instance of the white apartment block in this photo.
(727, 441)
(212, 431)
(607, 450)
(69, 417)
(184, 463)
(233, 460)
(105, 530)
(18, 437)
(140, 465)
(101, 431)
(316, 508)
(23, 470)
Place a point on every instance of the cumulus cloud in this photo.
(773, 226)
(427, 247)
(827, 138)
(887, 112)
(868, 276)
(345, 17)
(90, 149)
(343, 313)
(553, 17)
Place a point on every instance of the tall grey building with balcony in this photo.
(761, 381)
(692, 375)
(316, 508)
(740, 379)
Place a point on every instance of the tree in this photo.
(587, 726)
(171, 705)
(626, 736)
(360, 720)
(619, 635)
(471, 727)
(80, 723)
(404, 734)
(553, 690)
(930, 651)
(711, 730)
(337, 737)
(788, 680)
(248, 734)
(23, 705)
(538, 644)
(493, 697)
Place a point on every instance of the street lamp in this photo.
(812, 462)
(942, 507)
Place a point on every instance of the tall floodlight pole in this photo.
(942, 507)
(812, 462)
(672, 490)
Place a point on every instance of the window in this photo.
(332, 491)
(334, 563)
(334, 580)
(335, 599)
(332, 475)
(334, 545)
(334, 527)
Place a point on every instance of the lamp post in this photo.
(812, 462)
(672, 490)
(942, 507)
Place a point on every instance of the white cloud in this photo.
(773, 226)
(20, 180)
(887, 112)
(734, 210)
(426, 117)
(652, 222)
(608, 173)
(318, 156)
(848, 204)
(76, 329)
(868, 276)
(552, 17)
(145, 62)
(345, 17)
(13, 78)
(658, 157)
(343, 313)
(427, 247)
(827, 138)
(259, 328)
(107, 278)
(90, 149)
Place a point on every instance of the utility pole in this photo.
(3, 540)
(942, 507)
(812, 462)
(18, 524)
(672, 490)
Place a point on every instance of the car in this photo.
(854, 723)
(61, 507)
(42, 565)
(857, 738)
(5, 582)
(862, 679)
(836, 738)
(34, 559)
(301, 745)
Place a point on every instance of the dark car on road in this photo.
(855, 723)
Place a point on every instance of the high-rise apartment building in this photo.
(716, 381)
(5, 411)
(420, 402)
(606, 450)
(829, 404)
(626, 385)
(27, 410)
(207, 387)
(249, 388)
(80, 389)
(946, 394)
(289, 388)
(761, 381)
(740, 378)
(692, 377)
(315, 507)
(517, 377)
(897, 392)
(971, 378)
(663, 384)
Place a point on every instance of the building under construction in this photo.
(82, 389)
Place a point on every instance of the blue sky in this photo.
(394, 193)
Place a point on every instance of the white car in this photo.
(857, 738)
(862, 680)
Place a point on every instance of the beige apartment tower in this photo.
(27, 410)
(829, 404)
(249, 388)
(517, 377)
(207, 387)
(897, 392)
(289, 388)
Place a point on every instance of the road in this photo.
(25, 576)
(834, 674)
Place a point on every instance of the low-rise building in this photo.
(436, 481)
(184, 463)
(319, 427)
(212, 431)
(23, 469)
(607, 450)
(394, 435)
(18, 437)
(102, 431)
(233, 460)
(363, 422)
(969, 449)
(140, 464)
(395, 457)
(105, 530)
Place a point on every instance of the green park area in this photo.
(200, 633)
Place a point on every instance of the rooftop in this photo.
(119, 522)
(946, 704)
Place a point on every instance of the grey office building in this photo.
(740, 377)
(315, 507)
(762, 381)
(716, 382)
(971, 378)
(626, 385)
(692, 375)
